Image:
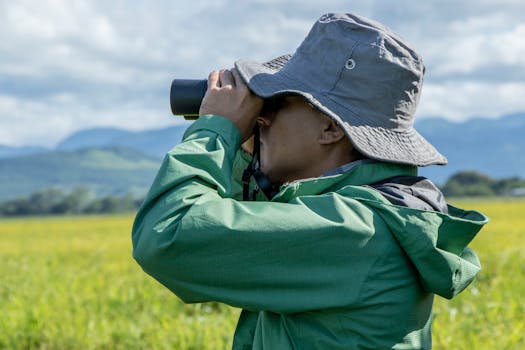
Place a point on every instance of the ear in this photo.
(330, 132)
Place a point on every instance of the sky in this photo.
(68, 65)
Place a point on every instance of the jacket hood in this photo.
(434, 235)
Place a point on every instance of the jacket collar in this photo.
(358, 173)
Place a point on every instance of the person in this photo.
(346, 247)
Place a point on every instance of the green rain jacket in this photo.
(328, 263)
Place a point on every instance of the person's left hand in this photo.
(229, 97)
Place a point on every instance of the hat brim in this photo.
(406, 147)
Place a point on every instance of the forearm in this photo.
(201, 165)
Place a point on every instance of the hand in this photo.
(229, 97)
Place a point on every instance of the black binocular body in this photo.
(186, 97)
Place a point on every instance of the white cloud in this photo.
(46, 122)
(462, 100)
(466, 51)
(67, 65)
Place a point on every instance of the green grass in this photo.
(490, 314)
(70, 283)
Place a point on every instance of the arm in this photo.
(283, 257)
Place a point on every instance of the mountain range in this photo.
(495, 147)
(116, 161)
(104, 160)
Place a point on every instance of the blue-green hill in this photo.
(150, 142)
(103, 170)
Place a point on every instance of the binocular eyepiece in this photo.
(186, 97)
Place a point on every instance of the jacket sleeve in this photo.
(282, 257)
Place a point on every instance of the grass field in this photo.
(70, 283)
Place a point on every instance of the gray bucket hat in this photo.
(361, 75)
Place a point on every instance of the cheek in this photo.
(286, 144)
(273, 137)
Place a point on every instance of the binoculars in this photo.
(186, 97)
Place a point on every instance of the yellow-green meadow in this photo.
(490, 314)
(71, 283)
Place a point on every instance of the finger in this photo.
(239, 81)
(227, 78)
(213, 80)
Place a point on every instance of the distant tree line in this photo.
(475, 184)
(54, 201)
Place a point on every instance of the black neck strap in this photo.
(253, 170)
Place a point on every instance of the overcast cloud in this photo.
(75, 64)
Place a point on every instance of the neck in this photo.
(329, 158)
(333, 160)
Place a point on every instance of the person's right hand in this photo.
(229, 97)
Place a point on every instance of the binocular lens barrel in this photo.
(186, 97)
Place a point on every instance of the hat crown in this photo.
(362, 66)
